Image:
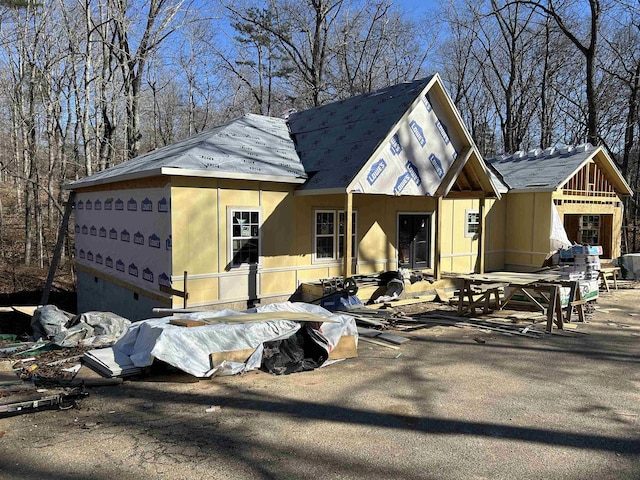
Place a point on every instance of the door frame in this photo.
(431, 235)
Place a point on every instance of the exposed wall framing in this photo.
(590, 180)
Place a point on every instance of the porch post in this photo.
(481, 236)
(348, 232)
(437, 268)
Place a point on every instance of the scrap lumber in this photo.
(368, 332)
(267, 316)
(27, 310)
(443, 295)
(405, 301)
(395, 339)
(507, 329)
(185, 322)
(379, 343)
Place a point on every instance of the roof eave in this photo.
(79, 184)
(183, 172)
(321, 191)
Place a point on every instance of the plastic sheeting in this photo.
(558, 236)
(631, 266)
(67, 330)
(190, 349)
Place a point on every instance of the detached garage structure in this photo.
(579, 187)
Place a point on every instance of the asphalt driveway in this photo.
(565, 406)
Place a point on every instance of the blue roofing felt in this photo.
(335, 141)
(540, 169)
(251, 144)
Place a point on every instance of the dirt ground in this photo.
(453, 403)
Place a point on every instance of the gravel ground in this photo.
(565, 406)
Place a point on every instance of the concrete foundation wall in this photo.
(98, 294)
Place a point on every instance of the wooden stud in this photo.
(552, 308)
(348, 232)
(437, 268)
(481, 234)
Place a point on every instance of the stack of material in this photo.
(111, 363)
(190, 348)
(582, 263)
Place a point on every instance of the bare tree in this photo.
(303, 31)
(563, 15)
(158, 20)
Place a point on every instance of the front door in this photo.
(414, 240)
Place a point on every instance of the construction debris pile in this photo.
(69, 351)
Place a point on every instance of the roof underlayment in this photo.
(540, 169)
(250, 145)
(335, 141)
(399, 140)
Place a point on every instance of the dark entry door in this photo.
(414, 241)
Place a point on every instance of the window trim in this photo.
(467, 233)
(230, 214)
(336, 256)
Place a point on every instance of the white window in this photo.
(244, 237)
(329, 237)
(471, 223)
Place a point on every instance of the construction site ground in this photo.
(453, 403)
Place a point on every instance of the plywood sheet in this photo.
(267, 316)
(185, 322)
(28, 310)
(239, 356)
(346, 348)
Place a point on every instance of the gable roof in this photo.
(550, 169)
(407, 139)
(403, 139)
(251, 146)
(334, 141)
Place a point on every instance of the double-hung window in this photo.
(245, 237)
(471, 223)
(329, 234)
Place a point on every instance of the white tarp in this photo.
(190, 349)
(558, 236)
(631, 265)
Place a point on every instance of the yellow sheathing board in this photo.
(495, 234)
(465, 249)
(194, 227)
(277, 236)
(278, 283)
(149, 182)
(201, 291)
(375, 232)
(542, 228)
(520, 211)
(528, 226)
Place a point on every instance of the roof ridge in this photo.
(565, 150)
